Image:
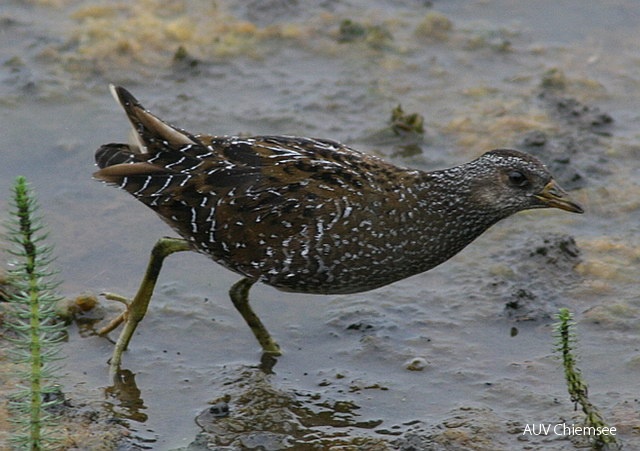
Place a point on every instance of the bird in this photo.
(307, 215)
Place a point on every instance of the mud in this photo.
(461, 357)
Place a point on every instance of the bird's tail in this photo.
(155, 147)
(150, 133)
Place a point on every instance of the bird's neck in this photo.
(447, 217)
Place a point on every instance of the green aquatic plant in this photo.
(375, 36)
(351, 31)
(577, 387)
(35, 332)
(402, 122)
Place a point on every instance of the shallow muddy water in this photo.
(461, 357)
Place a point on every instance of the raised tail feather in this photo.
(148, 129)
(155, 146)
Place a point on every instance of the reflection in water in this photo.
(489, 80)
(126, 395)
(253, 412)
(268, 362)
(256, 414)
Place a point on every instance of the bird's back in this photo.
(300, 214)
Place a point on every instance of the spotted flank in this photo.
(312, 215)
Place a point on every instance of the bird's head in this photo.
(508, 181)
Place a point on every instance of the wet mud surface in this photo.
(461, 357)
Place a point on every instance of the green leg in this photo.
(137, 308)
(239, 294)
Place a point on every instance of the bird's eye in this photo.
(517, 178)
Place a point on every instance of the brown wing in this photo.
(293, 212)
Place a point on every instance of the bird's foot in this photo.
(115, 322)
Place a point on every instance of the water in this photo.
(344, 371)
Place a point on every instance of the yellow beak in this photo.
(554, 196)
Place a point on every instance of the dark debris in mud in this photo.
(576, 114)
(575, 152)
(539, 271)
